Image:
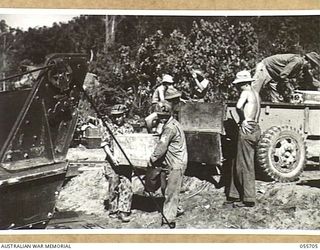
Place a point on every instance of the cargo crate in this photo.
(92, 138)
(138, 148)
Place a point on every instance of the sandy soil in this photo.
(295, 205)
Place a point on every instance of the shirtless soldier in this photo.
(242, 187)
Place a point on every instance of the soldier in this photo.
(172, 95)
(281, 67)
(242, 187)
(171, 154)
(118, 176)
(158, 94)
(200, 86)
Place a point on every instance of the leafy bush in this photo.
(132, 67)
(217, 48)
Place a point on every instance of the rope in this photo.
(197, 192)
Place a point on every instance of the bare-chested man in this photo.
(242, 191)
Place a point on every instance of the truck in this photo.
(287, 131)
(211, 135)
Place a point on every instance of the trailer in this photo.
(203, 125)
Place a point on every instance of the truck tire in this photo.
(281, 153)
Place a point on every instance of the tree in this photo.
(217, 48)
(145, 47)
(7, 52)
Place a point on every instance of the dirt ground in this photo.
(295, 205)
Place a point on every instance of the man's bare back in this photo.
(248, 106)
(252, 106)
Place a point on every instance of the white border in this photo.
(33, 11)
(163, 231)
(160, 12)
(158, 246)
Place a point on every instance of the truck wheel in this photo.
(282, 153)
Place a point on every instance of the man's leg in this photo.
(245, 164)
(275, 96)
(233, 191)
(125, 193)
(125, 199)
(172, 191)
(261, 77)
(113, 181)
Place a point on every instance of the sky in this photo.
(25, 18)
(25, 21)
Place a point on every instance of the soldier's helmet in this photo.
(163, 108)
(314, 57)
(118, 109)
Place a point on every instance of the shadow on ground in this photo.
(310, 183)
(147, 204)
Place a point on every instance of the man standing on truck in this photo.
(275, 72)
(118, 176)
(242, 187)
(158, 94)
(199, 86)
(171, 154)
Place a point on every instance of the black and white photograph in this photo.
(160, 120)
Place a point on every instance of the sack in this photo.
(155, 178)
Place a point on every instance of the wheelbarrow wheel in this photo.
(281, 153)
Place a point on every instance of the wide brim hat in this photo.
(171, 93)
(167, 79)
(243, 76)
(314, 57)
(117, 112)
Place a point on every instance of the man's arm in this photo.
(110, 156)
(201, 85)
(161, 91)
(162, 145)
(106, 144)
(294, 65)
